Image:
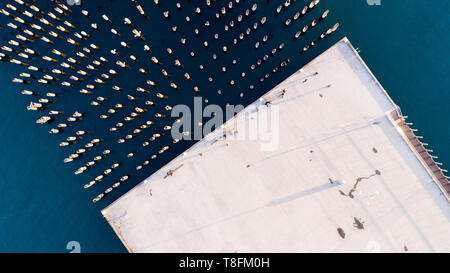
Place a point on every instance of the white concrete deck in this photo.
(284, 201)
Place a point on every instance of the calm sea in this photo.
(43, 206)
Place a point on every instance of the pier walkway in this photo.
(345, 173)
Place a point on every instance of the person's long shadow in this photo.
(304, 193)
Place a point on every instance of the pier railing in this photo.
(422, 153)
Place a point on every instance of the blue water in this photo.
(43, 205)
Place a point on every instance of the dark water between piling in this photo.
(43, 205)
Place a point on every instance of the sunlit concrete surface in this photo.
(343, 179)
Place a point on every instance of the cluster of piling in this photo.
(40, 47)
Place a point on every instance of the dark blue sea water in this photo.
(43, 205)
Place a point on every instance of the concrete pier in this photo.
(348, 175)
